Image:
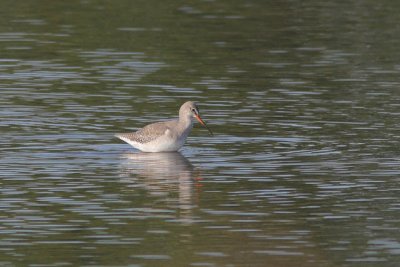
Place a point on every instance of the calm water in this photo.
(303, 98)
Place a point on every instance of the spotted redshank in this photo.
(165, 136)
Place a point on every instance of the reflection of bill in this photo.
(167, 175)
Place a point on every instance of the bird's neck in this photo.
(186, 122)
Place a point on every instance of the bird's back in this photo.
(148, 133)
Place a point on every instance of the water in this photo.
(302, 97)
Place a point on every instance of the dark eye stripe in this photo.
(195, 111)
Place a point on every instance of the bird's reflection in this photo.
(169, 176)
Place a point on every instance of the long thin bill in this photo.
(203, 123)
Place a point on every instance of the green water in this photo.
(302, 97)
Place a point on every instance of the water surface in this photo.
(302, 97)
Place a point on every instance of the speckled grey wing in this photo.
(147, 133)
